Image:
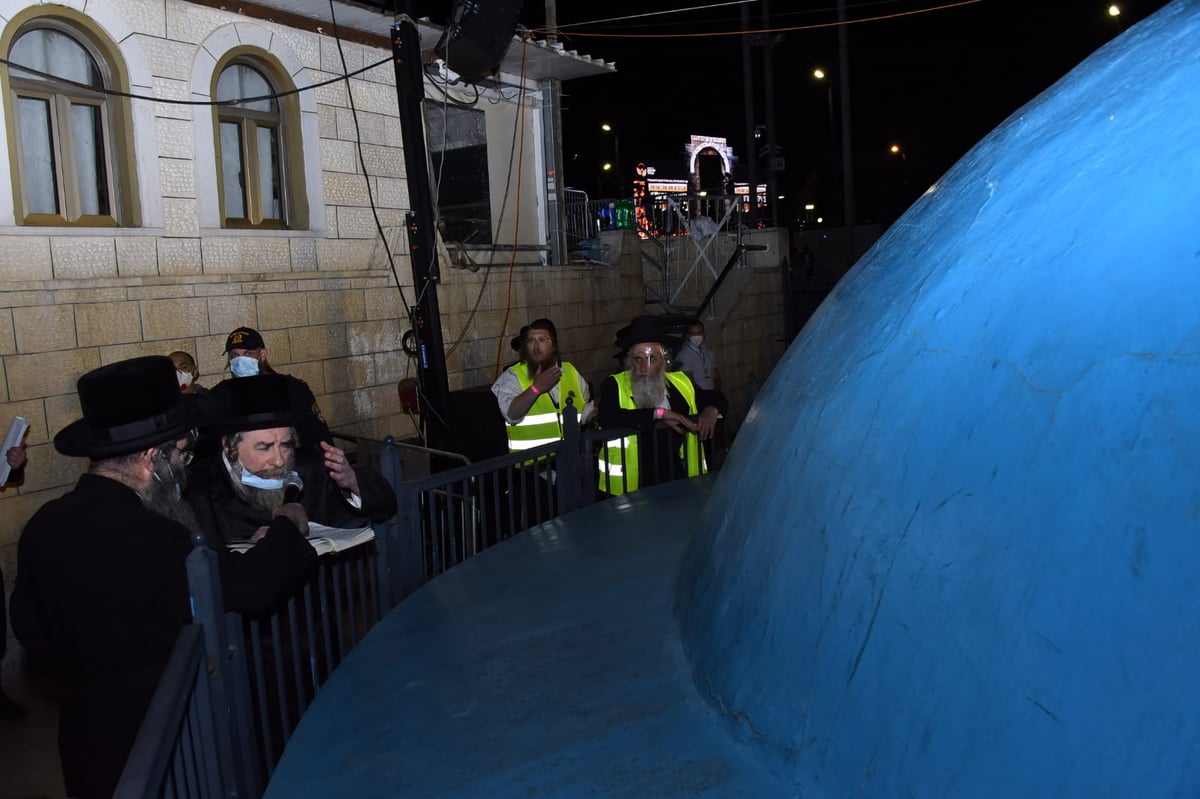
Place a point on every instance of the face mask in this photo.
(184, 378)
(696, 340)
(243, 366)
(268, 483)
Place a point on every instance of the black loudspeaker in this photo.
(477, 37)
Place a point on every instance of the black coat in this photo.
(100, 596)
(229, 518)
(658, 445)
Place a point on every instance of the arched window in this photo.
(252, 150)
(64, 124)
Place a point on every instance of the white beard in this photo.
(648, 390)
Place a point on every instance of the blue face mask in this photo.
(267, 483)
(243, 366)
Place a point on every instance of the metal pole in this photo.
(427, 321)
(848, 214)
(769, 88)
(552, 136)
(748, 100)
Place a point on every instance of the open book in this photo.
(325, 539)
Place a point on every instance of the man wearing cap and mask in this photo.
(102, 590)
(644, 395)
(235, 492)
(247, 354)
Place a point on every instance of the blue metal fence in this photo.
(263, 673)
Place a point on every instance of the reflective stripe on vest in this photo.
(542, 424)
(616, 480)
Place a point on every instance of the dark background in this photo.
(934, 83)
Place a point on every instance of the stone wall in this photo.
(326, 298)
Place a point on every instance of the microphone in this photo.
(292, 486)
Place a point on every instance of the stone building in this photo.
(140, 216)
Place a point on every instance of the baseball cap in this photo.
(244, 338)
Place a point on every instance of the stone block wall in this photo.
(326, 298)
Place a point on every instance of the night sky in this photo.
(934, 83)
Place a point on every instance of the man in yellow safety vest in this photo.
(533, 392)
(640, 397)
(532, 395)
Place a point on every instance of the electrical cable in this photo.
(761, 31)
(517, 231)
(169, 101)
(362, 162)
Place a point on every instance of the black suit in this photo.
(100, 597)
(229, 518)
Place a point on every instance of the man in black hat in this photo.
(247, 353)
(236, 491)
(641, 397)
(539, 386)
(102, 589)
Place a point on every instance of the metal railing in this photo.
(262, 673)
(175, 753)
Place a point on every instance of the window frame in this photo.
(61, 96)
(249, 122)
(450, 219)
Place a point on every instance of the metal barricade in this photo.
(175, 754)
(263, 673)
(293, 651)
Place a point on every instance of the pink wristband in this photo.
(534, 389)
(658, 412)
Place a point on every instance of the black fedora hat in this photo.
(252, 403)
(127, 406)
(647, 328)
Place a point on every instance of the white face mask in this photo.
(696, 340)
(184, 378)
(243, 366)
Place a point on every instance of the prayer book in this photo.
(16, 434)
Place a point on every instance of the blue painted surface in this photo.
(546, 666)
(981, 579)
(954, 551)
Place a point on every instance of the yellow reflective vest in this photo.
(542, 423)
(619, 458)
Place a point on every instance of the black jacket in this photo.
(227, 517)
(100, 595)
(658, 445)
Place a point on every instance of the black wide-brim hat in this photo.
(127, 406)
(258, 402)
(648, 328)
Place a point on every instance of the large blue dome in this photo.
(956, 548)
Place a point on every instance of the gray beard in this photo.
(648, 390)
(267, 499)
(162, 497)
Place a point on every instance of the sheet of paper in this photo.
(16, 434)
